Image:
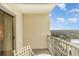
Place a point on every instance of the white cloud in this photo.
(72, 20)
(60, 20)
(66, 21)
(62, 6)
(74, 12)
(50, 15)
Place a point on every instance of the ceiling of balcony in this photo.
(34, 8)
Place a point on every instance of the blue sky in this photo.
(65, 17)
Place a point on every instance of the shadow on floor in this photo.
(40, 51)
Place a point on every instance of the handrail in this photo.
(69, 43)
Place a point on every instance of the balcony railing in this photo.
(60, 47)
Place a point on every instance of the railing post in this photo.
(53, 39)
(68, 50)
(49, 44)
(74, 51)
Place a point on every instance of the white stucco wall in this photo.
(35, 30)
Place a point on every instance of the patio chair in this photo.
(25, 51)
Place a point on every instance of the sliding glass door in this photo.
(6, 33)
(1, 32)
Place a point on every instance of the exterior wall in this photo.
(18, 24)
(35, 30)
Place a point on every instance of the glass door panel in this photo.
(6, 34)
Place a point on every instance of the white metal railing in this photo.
(61, 47)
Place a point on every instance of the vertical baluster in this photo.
(53, 44)
(77, 52)
(74, 51)
(62, 46)
(65, 48)
(68, 49)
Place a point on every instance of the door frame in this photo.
(5, 9)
